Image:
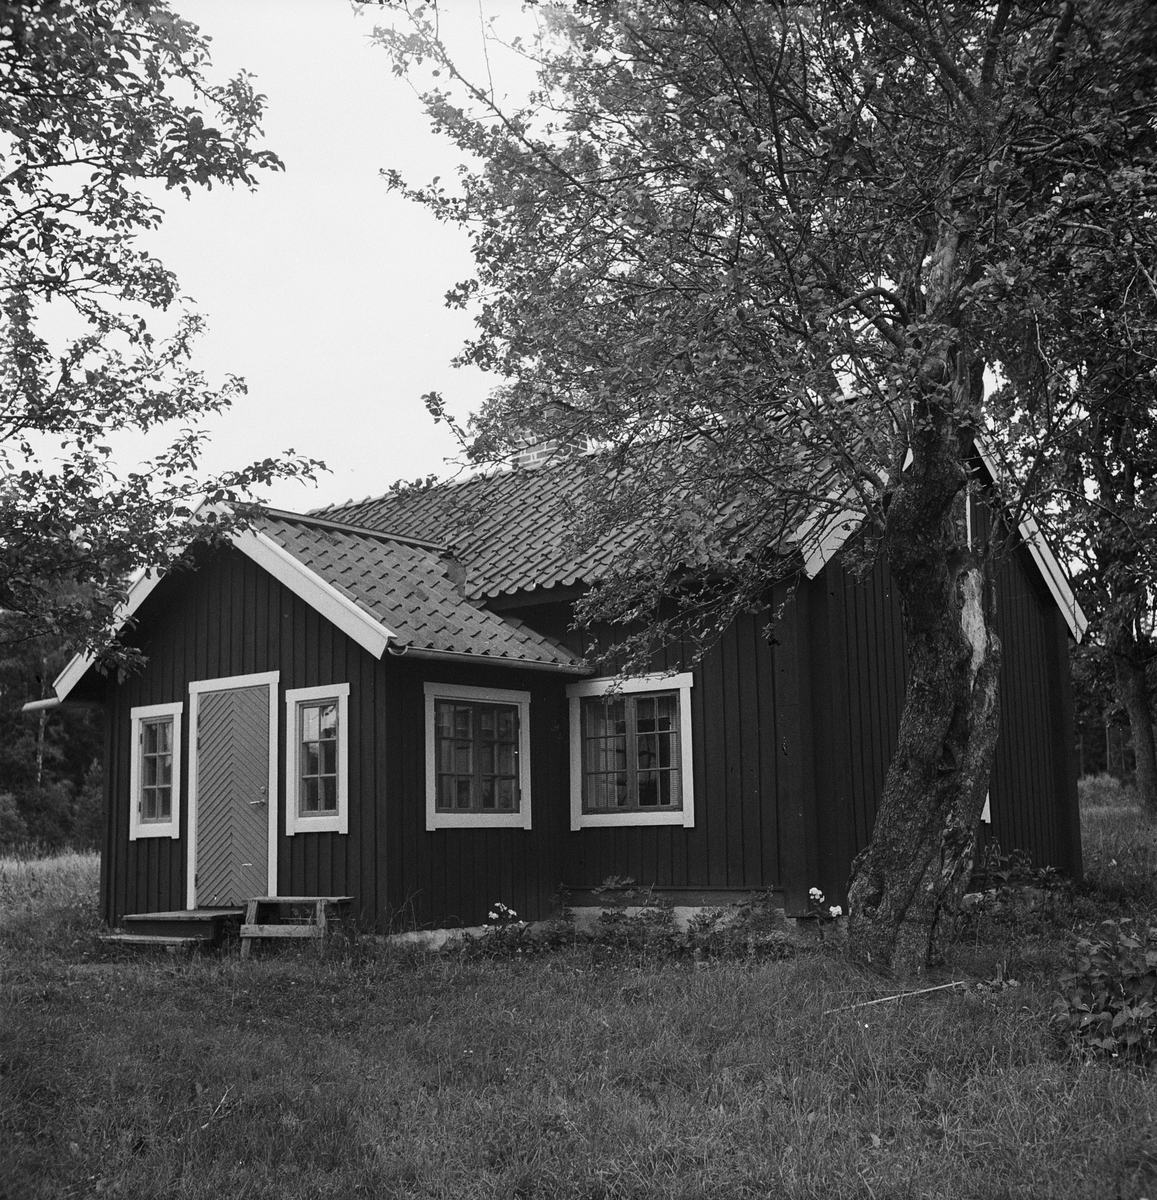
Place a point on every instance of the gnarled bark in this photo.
(912, 875)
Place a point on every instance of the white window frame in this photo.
(477, 820)
(335, 822)
(170, 828)
(576, 693)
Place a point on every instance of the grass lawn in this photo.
(588, 1073)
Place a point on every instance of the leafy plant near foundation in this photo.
(998, 869)
(641, 927)
(1108, 1001)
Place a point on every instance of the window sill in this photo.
(154, 829)
(334, 823)
(611, 820)
(476, 820)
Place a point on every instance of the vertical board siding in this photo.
(736, 841)
(1033, 788)
(455, 876)
(229, 618)
(226, 618)
(866, 622)
(791, 744)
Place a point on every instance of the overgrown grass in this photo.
(586, 1074)
(1119, 841)
(49, 904)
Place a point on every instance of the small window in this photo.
(155, 772)
(156, 799)
(317, 783)
(477, 757)
(630, 749)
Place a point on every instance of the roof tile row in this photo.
(410, 590)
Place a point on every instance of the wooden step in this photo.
(203, 924)
(153, 941)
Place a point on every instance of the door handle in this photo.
(264, 795)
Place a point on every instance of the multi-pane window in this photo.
(476, 756)
(317, 790)
(317, 759)
(631, 753)
(156, 795)
(155, 771)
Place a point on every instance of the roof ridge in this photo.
(498, 472)
(390, 494)
(382, 535)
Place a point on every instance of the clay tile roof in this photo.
(408, 587)
(510, 529)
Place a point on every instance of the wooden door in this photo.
(233, 796)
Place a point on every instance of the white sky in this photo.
(322, 289)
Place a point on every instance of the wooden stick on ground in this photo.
(898, 996)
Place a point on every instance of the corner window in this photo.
(155, 772)
(630, 751)
(317, 759)
(477, 757)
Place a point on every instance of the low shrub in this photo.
(1108, 1001)
(995, 869)
(754, 930)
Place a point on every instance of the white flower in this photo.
(492, 915)
(836, 910)
(816, 894)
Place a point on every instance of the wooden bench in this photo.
(290, 917)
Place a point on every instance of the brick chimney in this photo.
(535, 451)
(537, 454)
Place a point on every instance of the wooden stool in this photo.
(273, 917)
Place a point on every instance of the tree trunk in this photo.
(910, 879)
(1134, 689)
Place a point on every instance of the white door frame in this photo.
(269, 679)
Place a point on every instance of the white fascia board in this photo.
(340, 610)
(824, 538)
(829, 540)
(142, 584)
(822, 535)
(1046, 561)
(295, 575)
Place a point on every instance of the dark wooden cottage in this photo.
(386, 700)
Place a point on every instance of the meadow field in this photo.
(591, 1071)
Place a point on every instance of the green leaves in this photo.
(1108, 1000)
(95, 98)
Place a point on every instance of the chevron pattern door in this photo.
(232, 796)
